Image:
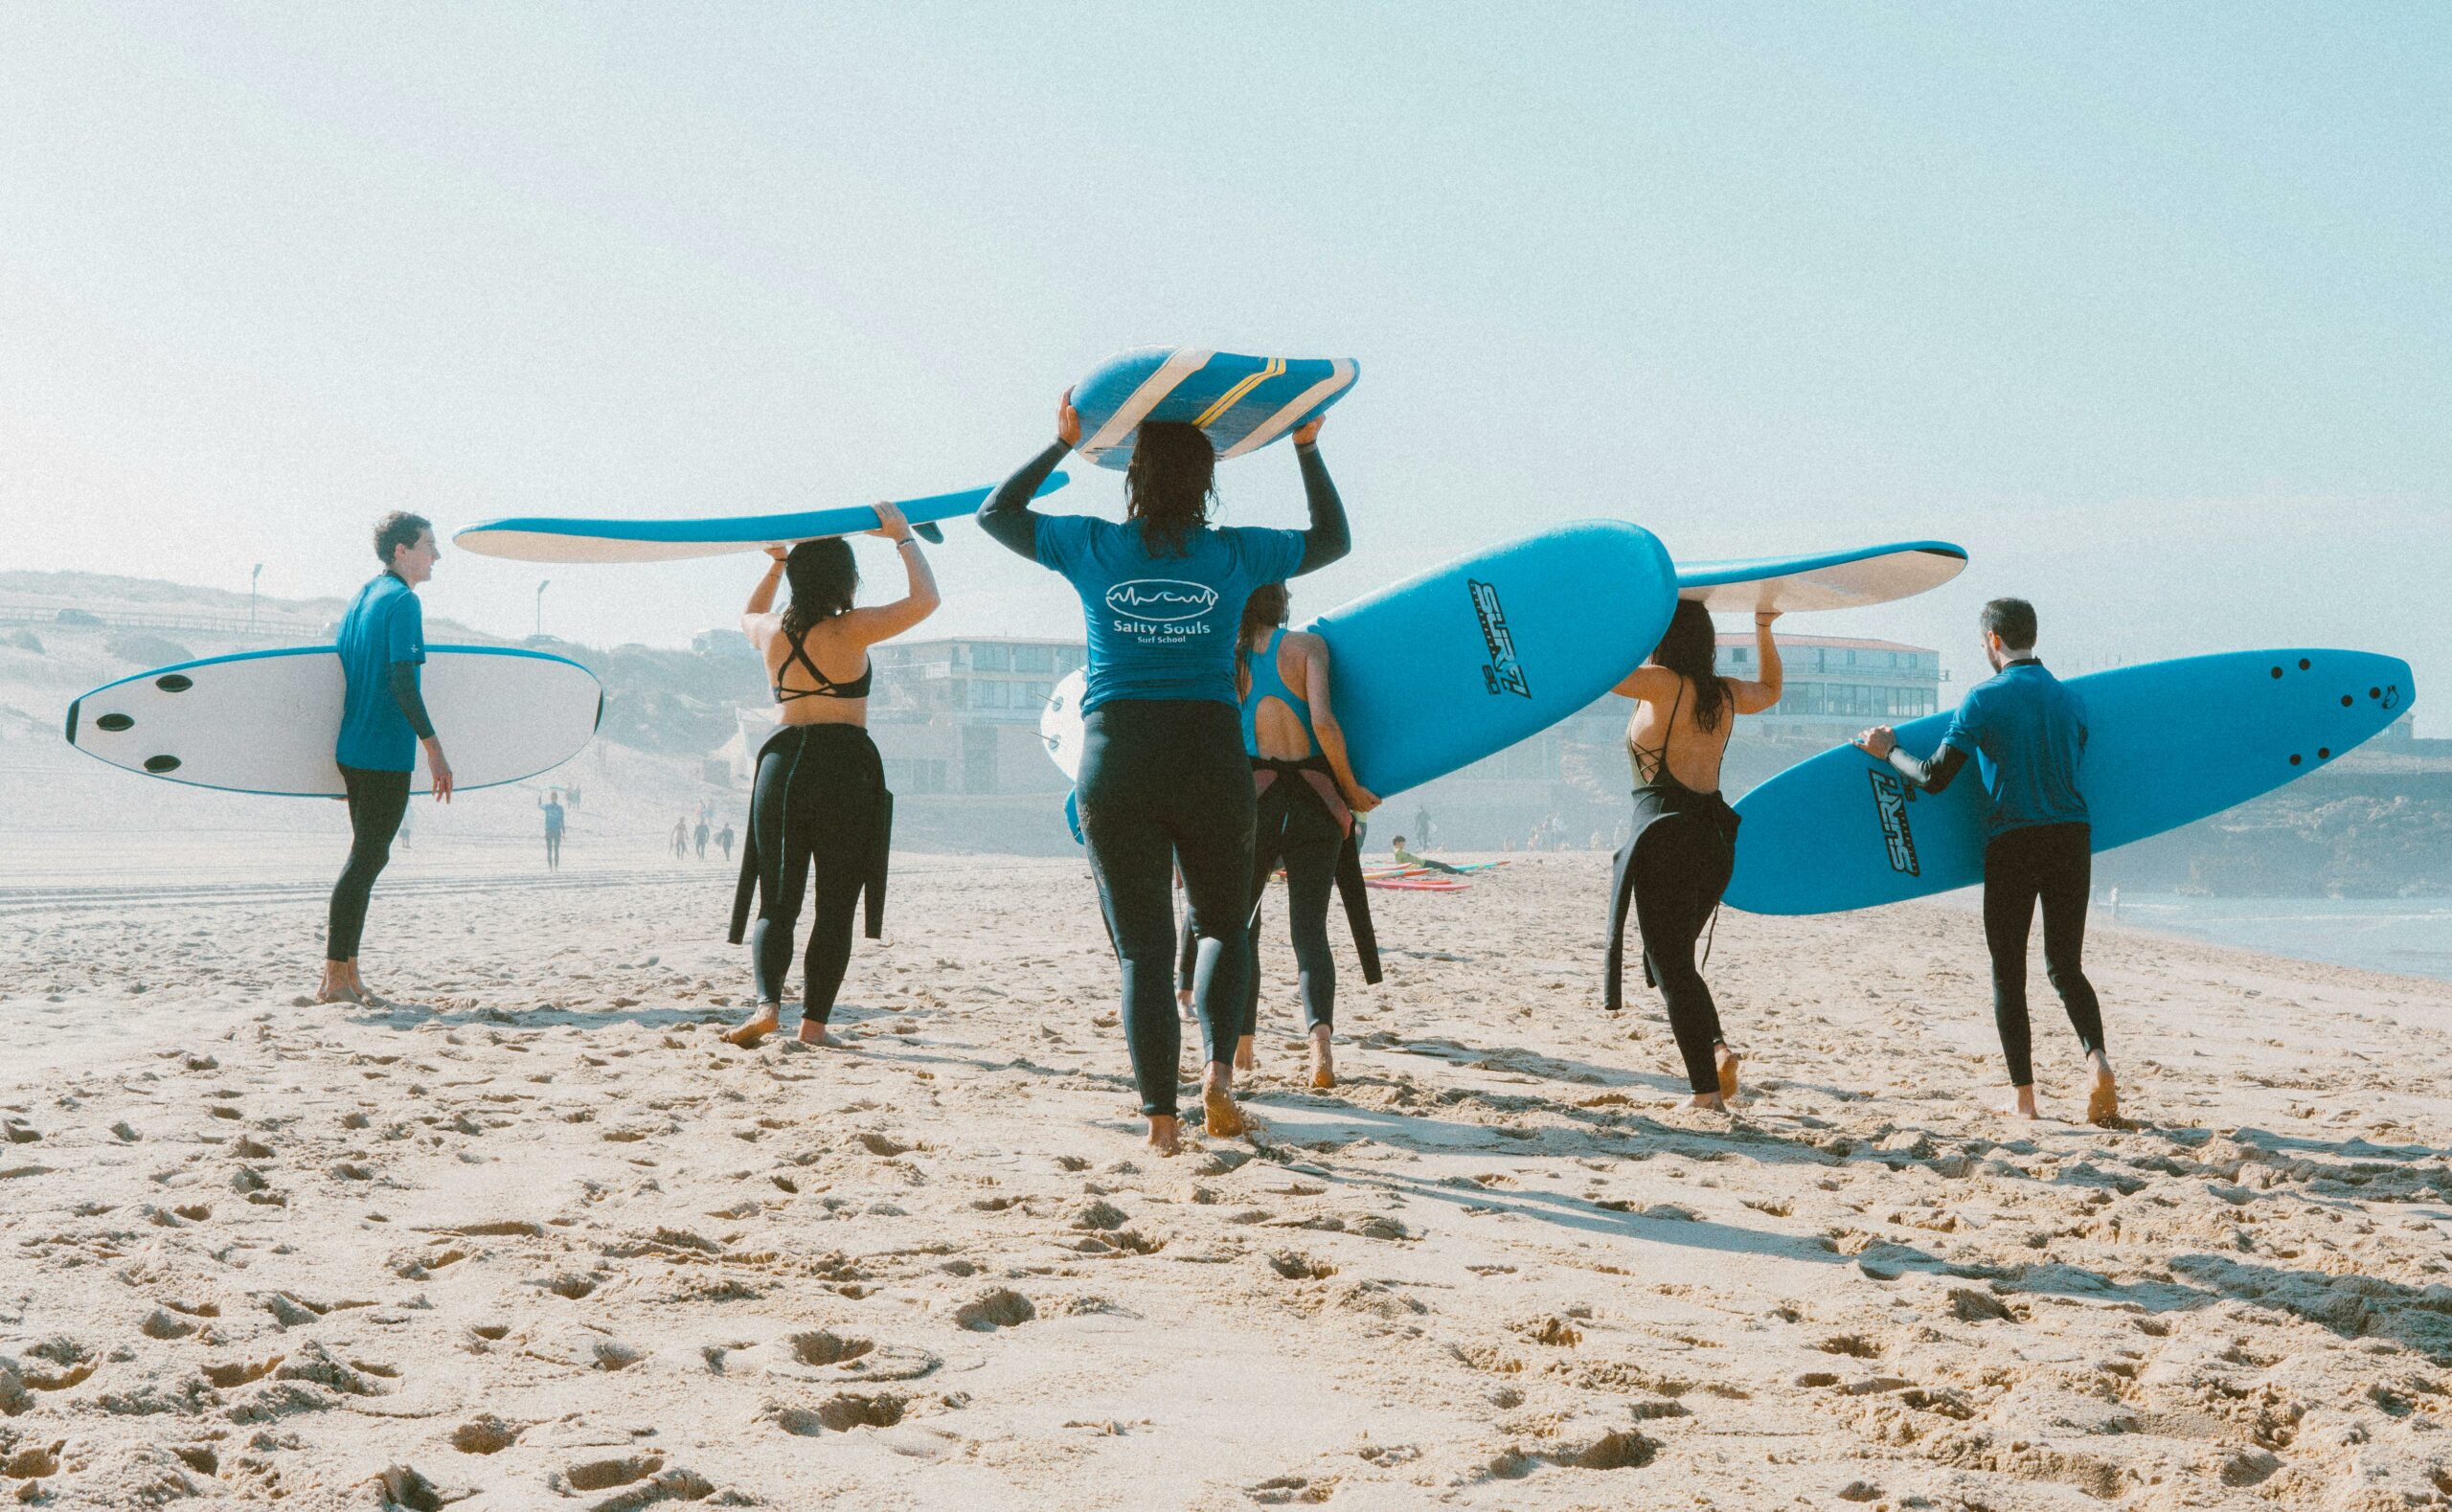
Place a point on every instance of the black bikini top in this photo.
(827, 687)
(1652, 766)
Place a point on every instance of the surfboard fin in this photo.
(930, 532)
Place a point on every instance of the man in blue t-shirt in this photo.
(383, 719)
(2027, 731)
(551, 804)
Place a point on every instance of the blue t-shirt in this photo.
(1162, 626)
(553, 819)
(2027, 731)
(384, 624)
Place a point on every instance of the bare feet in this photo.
(1166, 1136)
(1709, 1101)
(1183, 1006)
(1324, 1063)
(2103, 1101)
(1223, 1120)
(1244, 1059)
(1728, 1072)
(340, 983)
(762, 1023)
(814, 1032)
(2020, 1104)
(343, 993)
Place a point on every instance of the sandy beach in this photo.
(544, 1241)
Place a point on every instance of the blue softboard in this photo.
(2168, 743)
(580, 539)
(1460, 663)
(1848, 579)
(1243, 402)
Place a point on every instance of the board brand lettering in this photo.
(1504, 673)
(1889, 803)
(1162, 600)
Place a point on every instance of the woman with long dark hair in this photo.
(1164, 778)
(1677, 862)
(1306, 798)
(819, 799)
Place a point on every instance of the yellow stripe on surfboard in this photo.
(1228, 399)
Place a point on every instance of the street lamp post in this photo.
(252, 579)
(542, 584)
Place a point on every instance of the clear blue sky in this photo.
(2147, 306)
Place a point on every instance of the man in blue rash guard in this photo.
(2027, 731)
(382, 644)
(1164, 778)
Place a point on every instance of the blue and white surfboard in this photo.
(555, 538)
(1245, 403)
(2166, 743)
(1850, 579)
(266, 721)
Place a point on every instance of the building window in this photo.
(1033, 695)
(1034, 659)
(992, 658)
(987, 695)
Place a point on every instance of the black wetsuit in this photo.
(1673, 870)
(1164, 780)
(377, 801)
(819, 800)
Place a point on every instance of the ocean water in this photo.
(2409, 935)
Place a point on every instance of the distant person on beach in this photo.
(1162, 775)
(1682, 847)
(2027, 731)
(551, 804)
(681, 838)
(1305, 799)
(702, 836)
(382, 644)
(819, 798)
(1421, 826)
(723, 840)
(1402, 857)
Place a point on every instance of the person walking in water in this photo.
(819, 798)
(1305, 799)
(551, 804)
(1164, 777)
(383, 719)
(1682, 847)
(2027, 731)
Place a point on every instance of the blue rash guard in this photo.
(2027, 731)
(1162, 626)
(381, 642)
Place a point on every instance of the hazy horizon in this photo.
(2146, 310)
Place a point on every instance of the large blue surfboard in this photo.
(1460, 663)
(2167, 744)
(557, 538)
(1850, 579)
(1242, 402)
(266, 721)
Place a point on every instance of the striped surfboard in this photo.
(1242, 402)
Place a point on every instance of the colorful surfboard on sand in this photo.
(266, 721)
(579, 540)
(2168, 743)
(1245, 403)
(1850, 579)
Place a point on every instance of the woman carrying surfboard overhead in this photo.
(1164, 777)
(819, 798)
(382, 644)
(1675, 864)
(2027, 731)
(1306, 798)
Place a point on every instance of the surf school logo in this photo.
(1161, 601)
(1503, 674)
(1889, 803)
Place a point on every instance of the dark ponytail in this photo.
(1170, 485)
(1690, 647)
(1265, 607)
(824, 579)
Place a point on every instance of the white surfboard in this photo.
(1851, 580)
(266, 721)
(1060, 726)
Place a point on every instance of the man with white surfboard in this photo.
(2027, 731)
(383, 719)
